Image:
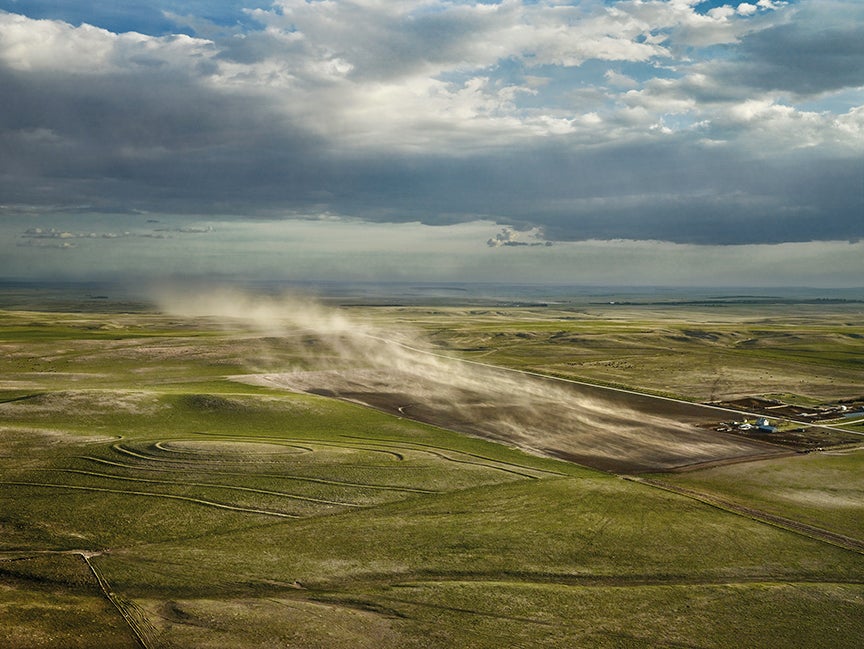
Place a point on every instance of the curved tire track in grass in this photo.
(156, 456)
(439, 450)
(143, 455)
(207, 485)
(338, 483)
(293, 440)
(164, 447)
(150, 494)
(436, 451)
(152, 457)
(447, 458)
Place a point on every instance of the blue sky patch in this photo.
(135, 16)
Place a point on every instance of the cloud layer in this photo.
(679, 120)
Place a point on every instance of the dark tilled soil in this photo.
(590, 425)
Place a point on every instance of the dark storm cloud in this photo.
(674, 192)
(159, 142)
(821, 51)
(155, 139)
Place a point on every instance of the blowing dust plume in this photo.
(399, 372)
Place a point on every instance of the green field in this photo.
(148, 499)
(804, 352)
(822, 489)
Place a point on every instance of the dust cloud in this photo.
(397, 371)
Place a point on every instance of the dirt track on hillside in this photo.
(834, 538)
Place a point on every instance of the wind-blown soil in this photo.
(594, 426)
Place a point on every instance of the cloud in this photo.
(38, 236)
(508, 237)
(675, 121)
(188, 229)
(351, 250)
(33, 45)
(51, 233)
(818, 52)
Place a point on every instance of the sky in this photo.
(590, 142)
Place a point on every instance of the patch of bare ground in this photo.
(276, 621)
(20, 384)
(612, 430)
(822, 497)
(84, 401)
(12, 436)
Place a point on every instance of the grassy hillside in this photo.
(802, 351)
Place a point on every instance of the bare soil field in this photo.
(608, 429)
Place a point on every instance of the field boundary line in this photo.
(781, 522)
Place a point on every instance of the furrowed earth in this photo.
(594, 426)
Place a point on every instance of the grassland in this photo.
(148, 499)
(805, 353)
(823, 489)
